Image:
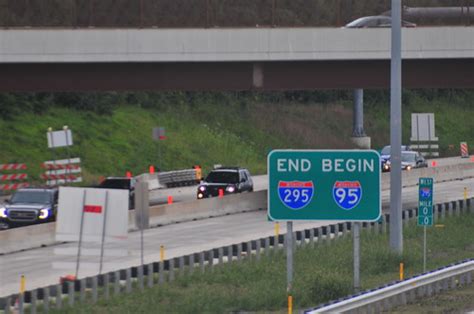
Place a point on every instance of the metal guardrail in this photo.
(403, 292)
(102, 286)
(179, 177)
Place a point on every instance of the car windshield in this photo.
(408, 157)
(386, 149)
(223, 177)
(358, 22)
(31, 197)
(116, 184)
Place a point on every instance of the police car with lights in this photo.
(29, 206)
(229, 180)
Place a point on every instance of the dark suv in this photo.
(229, 179)
(121, 183)
(29, 206)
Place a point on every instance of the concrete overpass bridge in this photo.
(38, 59)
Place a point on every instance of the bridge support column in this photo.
(358, 134)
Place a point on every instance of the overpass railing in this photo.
(103, 286)
(209, 13)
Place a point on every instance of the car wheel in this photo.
(4, 225)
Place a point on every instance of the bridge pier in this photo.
(358, 134)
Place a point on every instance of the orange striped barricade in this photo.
(8, 181)
(464, 150)
(62, 171)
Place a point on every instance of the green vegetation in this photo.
(112, 131)
(322, 273)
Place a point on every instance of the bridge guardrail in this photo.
(148, 275)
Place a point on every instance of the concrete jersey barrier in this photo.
(40, 235)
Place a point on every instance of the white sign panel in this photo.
(59, 138)
(91, 205)
(423, 127)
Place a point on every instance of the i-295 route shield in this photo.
(324, 185)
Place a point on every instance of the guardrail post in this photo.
(469, 205)
(107, 286)
(33, 301)
(220, 255)
(459, 205)
(445, 285)
(201, 261)
(116, 283)
(469, 278)
(181, 265)
(191, 263)
(46, 299)
(95, 290)
(140, 277)
(82, 290)
(8, 303)
(450, 209)
(462, 281)
(320, 235)
(150, 275)
(128, 280)
(248, 250)
(239, 252)
(403, 298)
(311, 237)
(429, 290)
(70, 293)
(386, 304)
(59, 296)
(267, 246)
(344, 228)
(411, 296)
(171, 269)
(211, 259)
(384, 223)
(21, 303)
(443, 211)
(258, 244)
(161, 272)
(453, 282)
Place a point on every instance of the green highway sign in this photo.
(425, 202)
(324, 185)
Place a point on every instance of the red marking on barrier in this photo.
(128, 174)
(16, 176)
(58, 167)
(434, 163)
(101, 179)
(59, 176)
(12, 166)
(170, 200)
(13, 186)
(95, 209)
(152, 169)
(221, 193)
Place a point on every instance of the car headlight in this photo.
(3, 212)
(408, 167)
(200, 195)
(202, 188)
(230, 189)
(44, 213)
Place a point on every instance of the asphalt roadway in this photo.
(44, 266)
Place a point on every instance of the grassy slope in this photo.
(232, 129)
(321, 274)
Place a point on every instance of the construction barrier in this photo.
(464, 150)
(180, 177)
(62, 171)
(8, 180)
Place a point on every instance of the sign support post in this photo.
(424, 248)
(356, 245)
(289, 256)
(104, 225)
(81, 231)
